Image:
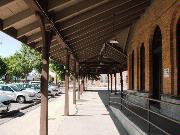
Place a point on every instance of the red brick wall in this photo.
(165, 15)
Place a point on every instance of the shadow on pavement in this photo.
(12, 114)
(104, 95)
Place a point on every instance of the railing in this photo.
(123, 104)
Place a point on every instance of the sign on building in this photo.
(166, 73)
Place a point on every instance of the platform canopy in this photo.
(96, 32)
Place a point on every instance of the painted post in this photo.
(111, 83)
(108, 82)
(66, 107)
(46, 40)
(74, 84)
(115, 92)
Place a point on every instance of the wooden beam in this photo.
(78, 9)
(53, 42)
(55, 4)
(118, 27)
(36, 7)
(97, 63)
(90, 58)
(119, 51)
(15, 19)
(123, 4)
(99, 45)
(58, 51)
(92, 38)
(27, 29)
(34, 38)
(11, 32)
(108, 24)
(97, 42)
(6, 3)
(90, 53)
(85, 26)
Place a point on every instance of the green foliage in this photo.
(58, 68)
(32, 59)
(14, 68)
(23, 62)
(3, 67)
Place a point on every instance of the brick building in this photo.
(153, 50)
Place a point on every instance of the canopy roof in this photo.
(96, 32)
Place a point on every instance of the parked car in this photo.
(55, 88)
(51, 91)
(1, 82)
(30, 88)
(34, 82)
(5, 103)
(17, 94)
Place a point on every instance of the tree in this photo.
(3, 67)
(13, 67)
(58, 68)
(31, 59)
(23, 62)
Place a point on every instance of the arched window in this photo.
(157, 63)
(142, 68)
(132, 71)
(178, 56)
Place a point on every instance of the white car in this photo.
(34, 82)
(16, 94)
(54, 88)
(4, 103)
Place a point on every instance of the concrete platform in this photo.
(89, 117)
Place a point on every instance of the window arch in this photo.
(157, 63)
(142, 67)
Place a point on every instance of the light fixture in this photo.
(112, 41)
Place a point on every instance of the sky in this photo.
(8, 45)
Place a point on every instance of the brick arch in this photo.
(173, 46)
(151, 38)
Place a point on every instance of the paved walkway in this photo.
(88, 117)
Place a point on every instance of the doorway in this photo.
(142, 68)
(157, 63)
